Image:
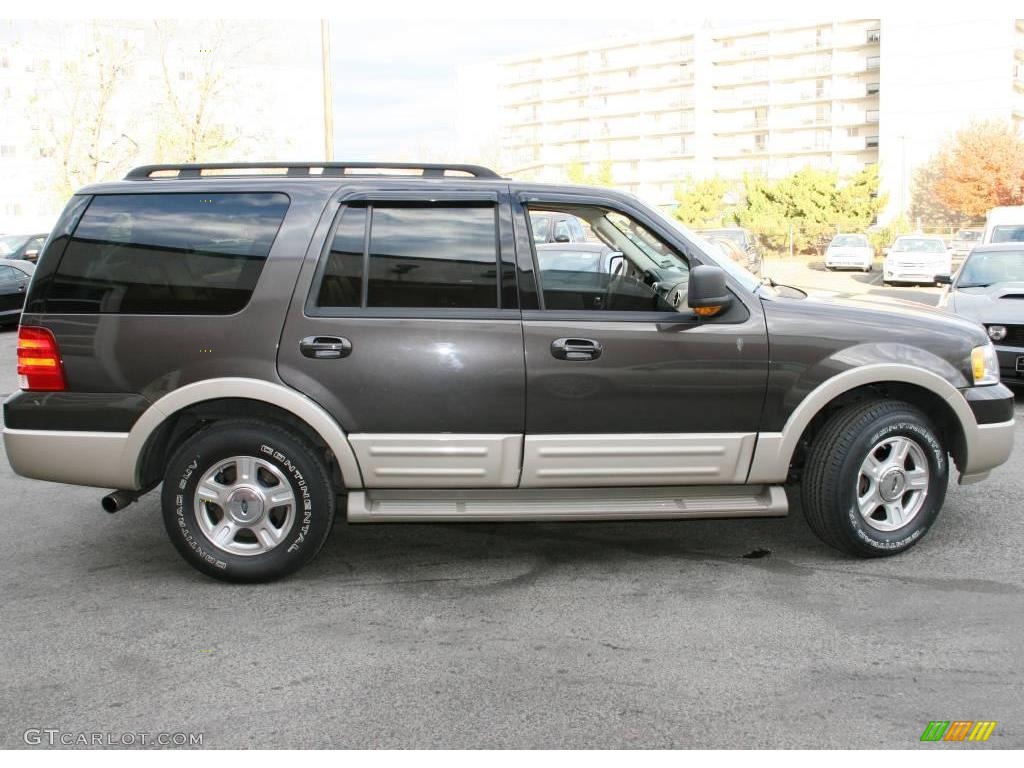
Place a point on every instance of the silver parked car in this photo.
(989, 288)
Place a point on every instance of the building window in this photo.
(874, 62)
(8, 150)
(874, 35)
(871, 142)
(873, 88)
(871, 116)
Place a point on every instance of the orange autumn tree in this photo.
(982, 166)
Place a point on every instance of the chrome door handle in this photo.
(576, 349)
(325, 347)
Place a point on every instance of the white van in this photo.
(1004, 224)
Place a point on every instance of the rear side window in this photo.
(167, 253)
(419, 256)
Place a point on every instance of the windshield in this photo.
(849, 241)
(919, 245)
(1008, 234)
(11, 243)
(741, 275)
(989, 267)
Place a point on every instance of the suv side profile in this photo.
(274, 344)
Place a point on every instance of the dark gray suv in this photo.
(275, 343)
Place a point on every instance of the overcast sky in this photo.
(395, 83)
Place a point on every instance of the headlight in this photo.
(985, 365)
(997, 332)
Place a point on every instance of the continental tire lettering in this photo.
(186, 533)
(303, 488)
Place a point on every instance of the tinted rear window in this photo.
(167, 253)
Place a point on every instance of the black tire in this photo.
(296, 462)
(832, 472)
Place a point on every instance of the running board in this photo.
(554, 504)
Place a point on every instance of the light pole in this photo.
(325, 53)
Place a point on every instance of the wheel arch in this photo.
(177, 415)
(777, 453)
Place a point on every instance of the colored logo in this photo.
(958, 730)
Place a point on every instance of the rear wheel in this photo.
(247, 501)
(875, 478)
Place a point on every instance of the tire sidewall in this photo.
(313, 508)
(870, 540)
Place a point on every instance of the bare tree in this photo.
(195, 81)
(75, 102)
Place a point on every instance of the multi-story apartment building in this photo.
(768, 98)
(255, 88)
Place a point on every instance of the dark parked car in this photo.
(277, 348)
(25, 247)
(14, 279)
(989, 288)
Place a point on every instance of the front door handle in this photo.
(325, 347)
(576, 349)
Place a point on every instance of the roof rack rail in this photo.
(326, 169)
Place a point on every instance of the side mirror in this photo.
(561, 237)
(32, 255)
(944, 279)
(706, 292)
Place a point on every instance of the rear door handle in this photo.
(325, 347)
(576, 349)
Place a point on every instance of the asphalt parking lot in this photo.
(632, 635)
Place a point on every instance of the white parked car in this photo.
(849, 252)
(917, 259)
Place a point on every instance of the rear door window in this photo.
(420, 256)
(178, 253)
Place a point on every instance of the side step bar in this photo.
(557, 504)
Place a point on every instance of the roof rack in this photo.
(312, 170)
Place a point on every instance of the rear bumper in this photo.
(78, 458)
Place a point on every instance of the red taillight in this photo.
(39, 365)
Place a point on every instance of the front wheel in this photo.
(875, 478)
(247, 501)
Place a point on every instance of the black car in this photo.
(291, 342)
(14, 280)
(25, 247)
